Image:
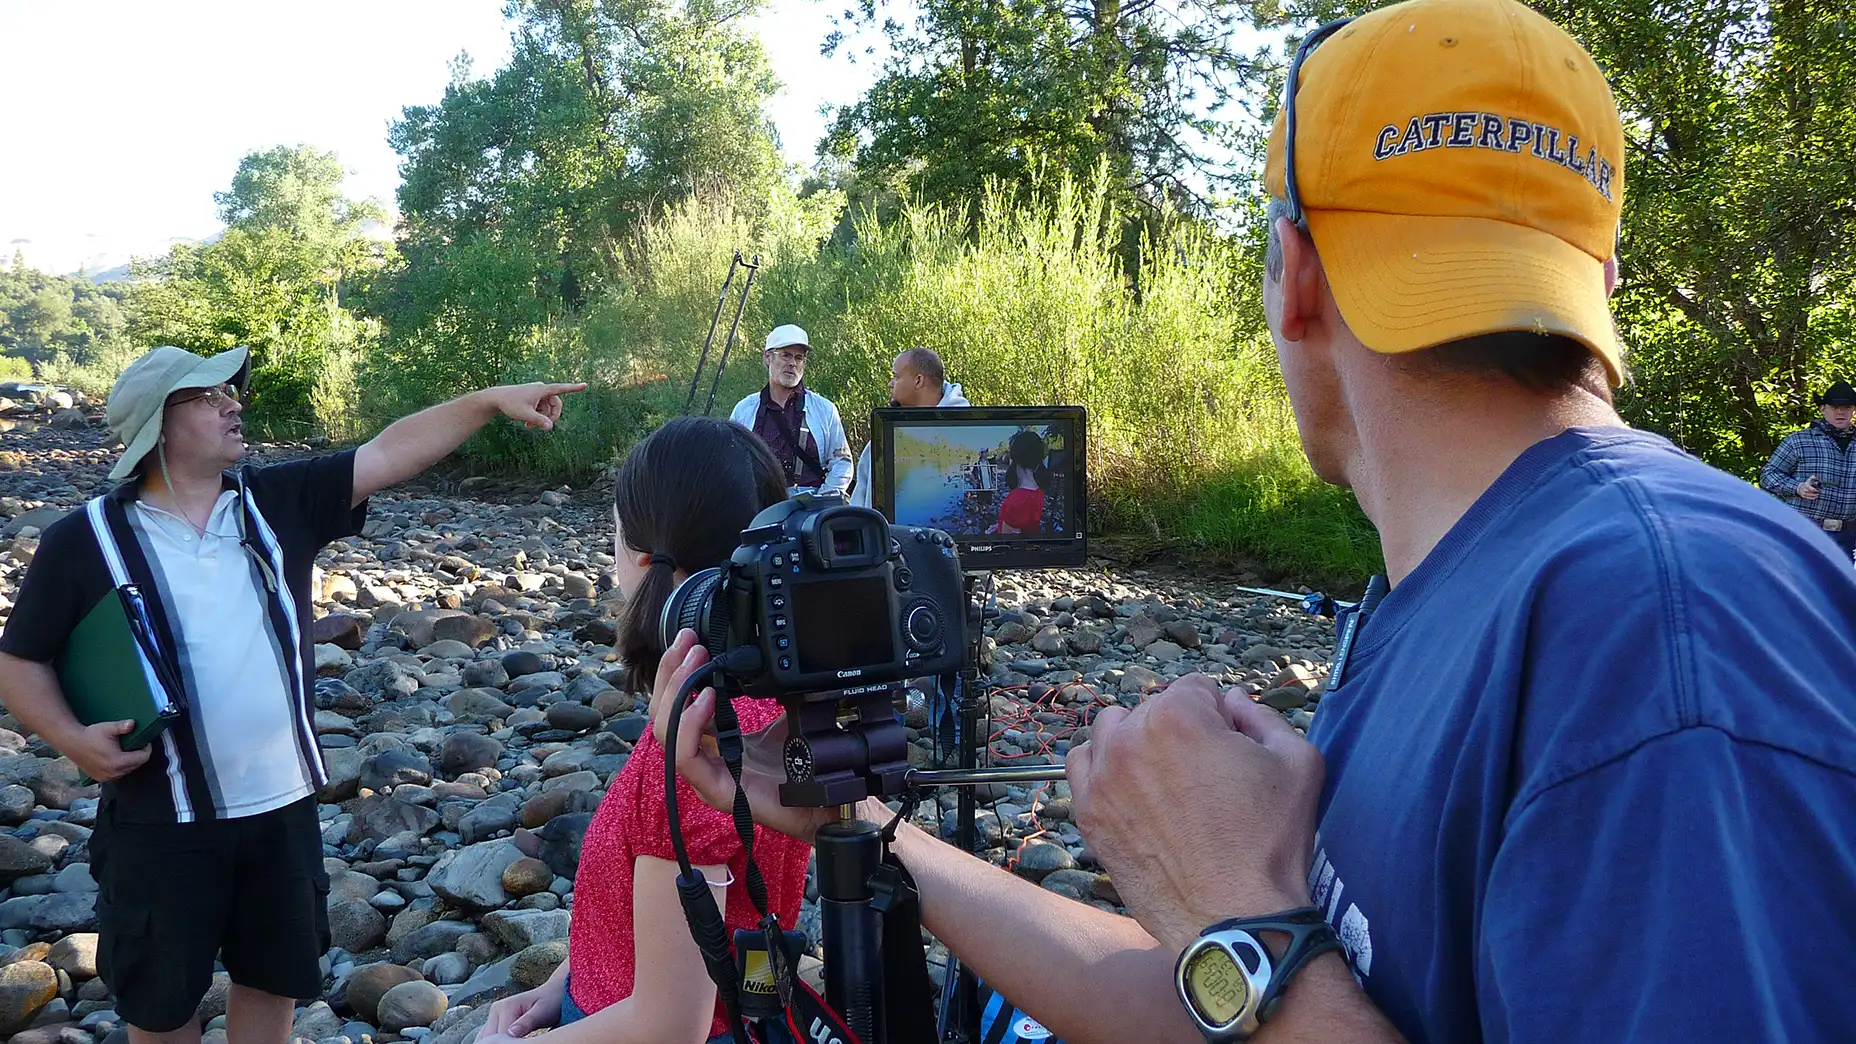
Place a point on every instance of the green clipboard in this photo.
(112, 669)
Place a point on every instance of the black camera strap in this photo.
(777, 977)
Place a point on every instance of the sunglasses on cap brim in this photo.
(1289, 89)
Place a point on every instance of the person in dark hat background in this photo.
(1814, 470)
(207, 843)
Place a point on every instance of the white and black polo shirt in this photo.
(238, 640)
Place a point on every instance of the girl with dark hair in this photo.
(681, 499)
(1022, 510)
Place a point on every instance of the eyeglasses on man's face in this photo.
(217, 398)
(789, 356)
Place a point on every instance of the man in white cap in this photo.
(207, 843)
(801, 426)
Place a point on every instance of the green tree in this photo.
(1739, 237)
(522, 191)
(271, 282)
(977, 91)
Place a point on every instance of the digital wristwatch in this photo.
(1228, 979)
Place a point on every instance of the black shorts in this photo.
(173, 896)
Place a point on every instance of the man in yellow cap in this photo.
(207, 843)
(1585, 767)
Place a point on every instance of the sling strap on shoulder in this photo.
(806, 454)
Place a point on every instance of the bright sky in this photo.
(126, 117)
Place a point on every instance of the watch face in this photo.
(1216, 986)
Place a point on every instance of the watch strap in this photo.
(1309, 934)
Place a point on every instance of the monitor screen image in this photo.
(1006, 482)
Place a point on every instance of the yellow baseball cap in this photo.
(1461, 164)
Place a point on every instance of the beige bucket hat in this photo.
(140, 396)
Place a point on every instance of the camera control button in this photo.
(904, 578)
(778, 561)
(783, 642)
(778, 601)
(779, 622)
(775, 581)
(786, 663)
(923, 627)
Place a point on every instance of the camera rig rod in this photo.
(980, 776)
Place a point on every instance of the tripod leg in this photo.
(849, 852)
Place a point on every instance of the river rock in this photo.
(473, 876)
(485, 674)
(533, 965)
(392, 768)
(573, 717)
(66, 912)
(1143, 630)
(526, 876)
(386, 679)
(560, 842)
(415, 1003)
(431, 940)
(16, 804)
(1038, 858)
(25, 987)
(523, 662)
(1136, 679)
(518, 930)
(370, 982)
(382, 816)
(342, 630)
(1164, 651)
(344, 768)
(414, 917)
(612, 702)
(355, 926)
(489, 818)
(1183, 634)
(75, 955)
(447, 969)
(478, 705)
(315, 1022)
(472, 631)
(467, 752)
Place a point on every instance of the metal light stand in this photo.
(721, 299)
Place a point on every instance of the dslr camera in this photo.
(841, 608)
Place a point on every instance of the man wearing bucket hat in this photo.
(1585, 766)
(1814, 471)
(799, 425)
(207, 843)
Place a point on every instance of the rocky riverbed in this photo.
(468, 713)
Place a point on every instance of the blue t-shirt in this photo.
(1592, 765)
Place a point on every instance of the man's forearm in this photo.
(1092, 976)
(412, 444)
(1086, 974)
(30, 691)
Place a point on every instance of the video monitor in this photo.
(1007, 482)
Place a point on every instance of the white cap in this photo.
(787, 336)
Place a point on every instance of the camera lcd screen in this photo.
(839, 625)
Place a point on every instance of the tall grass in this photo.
(1028, 301)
